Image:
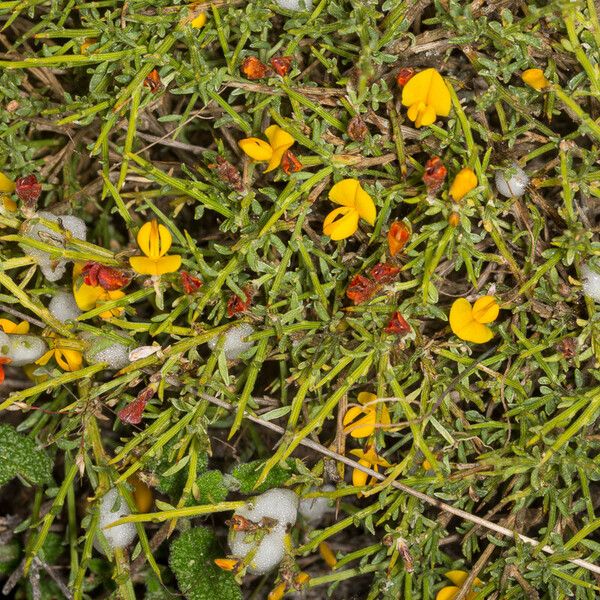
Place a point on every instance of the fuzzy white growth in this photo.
(295, 4)
(116, 355)
(512, 182)
(53, 269)
(314, 509)
(278, 505)
(591, 283)
(112, 508)
(25, 349)
(235, 341)
(63, 306)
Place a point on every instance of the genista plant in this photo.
(345, 250)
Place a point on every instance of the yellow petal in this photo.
(475, 332)
(154, 240)
(417, 88)
(457, 577)
(143, 265)
(327, 554)
(447, 593)
(344, 192)
(7, 326)
(22, 328)
(68, 360)
(8, 203)
(86, 296)
(485, 309)
(463, 183)
(366, 397)
(168, 264)
(256, 149)
(199, 21)
(439, 96)
(359, 478)
(280, 141)
(426, 116)
(43, 360)
(7, 186)
(343, 227)
(365, 206)
(535, 78)
(361, 428)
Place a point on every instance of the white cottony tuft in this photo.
(314, 509)
(25, 349)
(591, 283)
(103, 350)
(295, 4)
(112, 508)
(64, 307)
(235, 341)
(512, 182)
(277, 511)
(52, 268)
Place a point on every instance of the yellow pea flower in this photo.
(278, 592)
(365, 425)
(7, 186)
(227, 564)
(199, 21)
(463, 183)
(367, 458)
(154, 241)
(143, 496)
(271, 152)
(88, 297)
(10, 327)
(427, 97)
(535, 78)
(469, 322)
(66, 358)
(450, 592)
(355, 203)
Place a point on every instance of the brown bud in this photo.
(404, 75)
(454, 219)
(357, 129)
(227, 172)
(281, 64)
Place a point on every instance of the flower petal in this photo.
(7, 186)
(439, 96)
(476, 332)
(278, 138)
(485, 309)
(168, 264)
(68, 360)
(361, 428)
(43, 360)
(463, 183)
(365, 206)
(344, 192)
(342, 228)
(461, 315)
(426, 116)
(154, 240)
(86, 296)
(143, 265)
(417, 88)
(447, 593)
(366, 397)
(457, 577)
(256, 149)
(535, 78)
(359, 478)
(199, 21)
(7, 326)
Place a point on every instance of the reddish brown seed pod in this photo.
(289, 163)
(398, 235)
(281, 64)
(107, 278)
(360, 289)
(434, 175)
(384, 273)
(404, 75)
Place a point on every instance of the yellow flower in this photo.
(199, 21)
(463, 183)
(365, 426)
(271, 152)
(427, 97)
(154, 241)
(468, 322)
(535, 78)
(278, 592)
(451, 591)
(66, 358)
(7, 186)
(10, 327)
(355, 203)
(367, 458)
(88, 297)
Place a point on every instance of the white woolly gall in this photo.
(112, 508)
(235, 341)
(512, 182)
(591, 283)
(63, 306)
